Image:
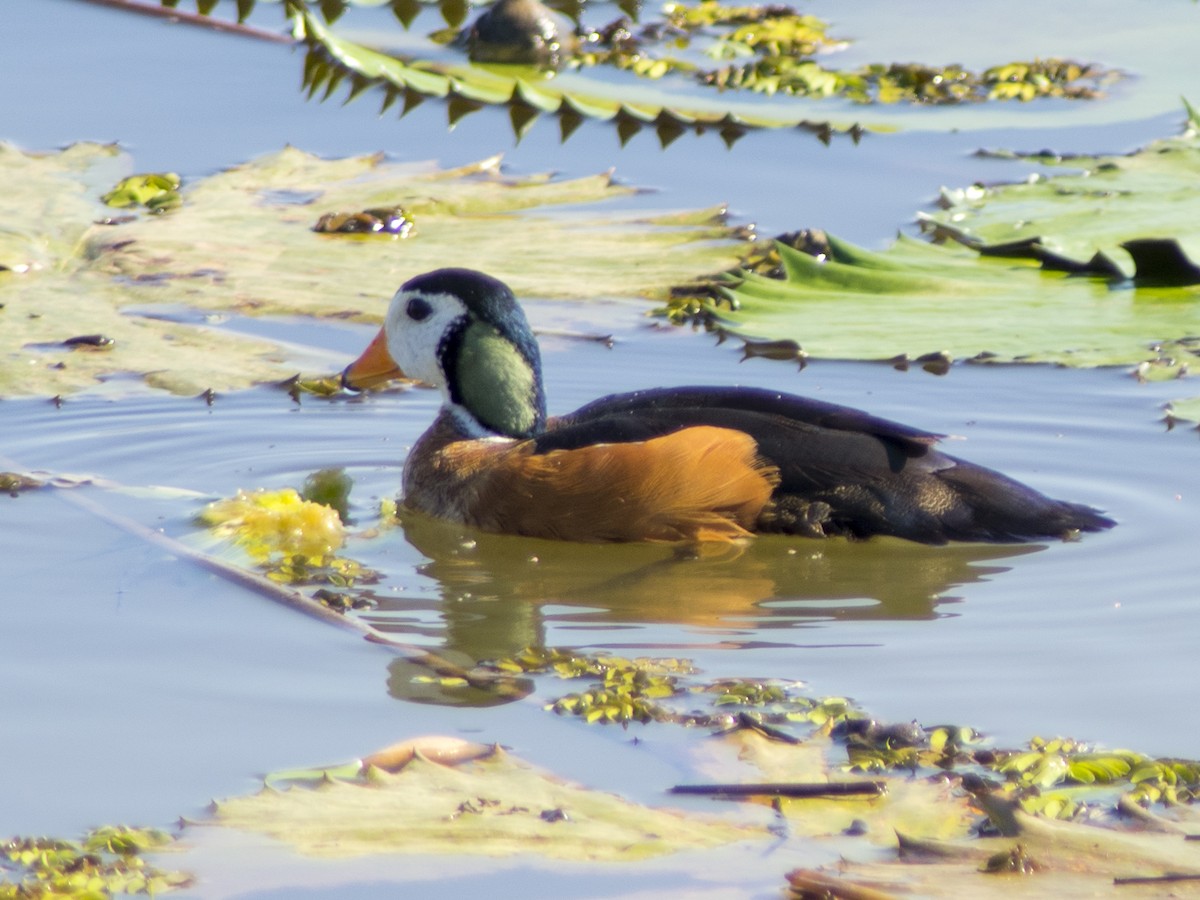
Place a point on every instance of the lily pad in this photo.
(243, 242)
(496, 806)
(1002, 283)
(1188, 409)
(333, 59)
(158, 192)
(1140, 211)
(766, 57)
(1051, 859)
(244, 228)
(929, 806)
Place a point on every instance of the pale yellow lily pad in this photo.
(43, 310)
(1044, 859)
(918, 806)
(243, 242)
(246, 229)
(497, 806)
(49, 200)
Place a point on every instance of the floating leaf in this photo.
(330, 488)
(465, 86)
(1187, 409)
(767, 50)
(1062, 859)
(1140, 210)
(496, 806)
(156, 192)
(989, 292)
(930, 807)
(243, 242)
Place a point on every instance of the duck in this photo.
(677, 464)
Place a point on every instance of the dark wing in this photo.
(842, 471)
(727, 404)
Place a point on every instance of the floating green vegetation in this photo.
(1187, 409)
(156, 192)
(330, 488)
(565, 664)
(772, 49)
(522, 60)
(1092, 266)
(941, 793)
(528, 93)
(1055, 778)
(630, 690)
(775, 72)
(106, 862)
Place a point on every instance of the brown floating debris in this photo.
(1015, 861)
(385, 220)
(806, 883)
(12, 483)
(445, 751)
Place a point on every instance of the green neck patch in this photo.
(496, 384)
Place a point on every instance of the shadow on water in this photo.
(496, 593)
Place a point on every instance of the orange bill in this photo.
(373, 368)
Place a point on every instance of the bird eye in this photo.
(418, 309)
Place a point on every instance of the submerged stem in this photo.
(189, 18)
(289, 597)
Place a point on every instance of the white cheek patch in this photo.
(415, 345)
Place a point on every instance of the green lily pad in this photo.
(158, 192)
(497, 806)
(1186, 408)
(530, 92)
(1084, 269)
(1083, 206)
(243, 242)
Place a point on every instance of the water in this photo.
(113, 650)
(138, 686)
